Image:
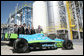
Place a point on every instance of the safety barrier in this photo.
(55, 28)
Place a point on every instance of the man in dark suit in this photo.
(33, 30)
(39, 30)
(15, 29)
(28, 30)
(21, 29)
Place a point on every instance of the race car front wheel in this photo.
(67, 44)
(20, 45)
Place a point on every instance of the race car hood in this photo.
(38, 38)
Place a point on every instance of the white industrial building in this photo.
(53, 17)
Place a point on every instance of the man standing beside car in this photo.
(22, 29)
(15, 29)
(28, 30)
(39, 30)
(33, 30)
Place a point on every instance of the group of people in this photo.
(22, 29)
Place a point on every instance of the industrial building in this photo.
(64, 18)
(21, 15)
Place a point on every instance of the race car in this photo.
(23, 43)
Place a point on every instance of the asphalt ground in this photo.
(77, 44)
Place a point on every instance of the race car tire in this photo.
(20, 45)
(67, 44)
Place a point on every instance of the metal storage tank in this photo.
(53, 15)
(46, 14)
(40, 15)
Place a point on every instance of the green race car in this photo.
(23, 43)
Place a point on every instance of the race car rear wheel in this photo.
(67, 44)
(20, 45)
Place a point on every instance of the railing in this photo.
(54, 28)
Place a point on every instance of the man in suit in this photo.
(33, 30)
(21, 29)
(28, 30)
(39, 30)
(15, 29)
